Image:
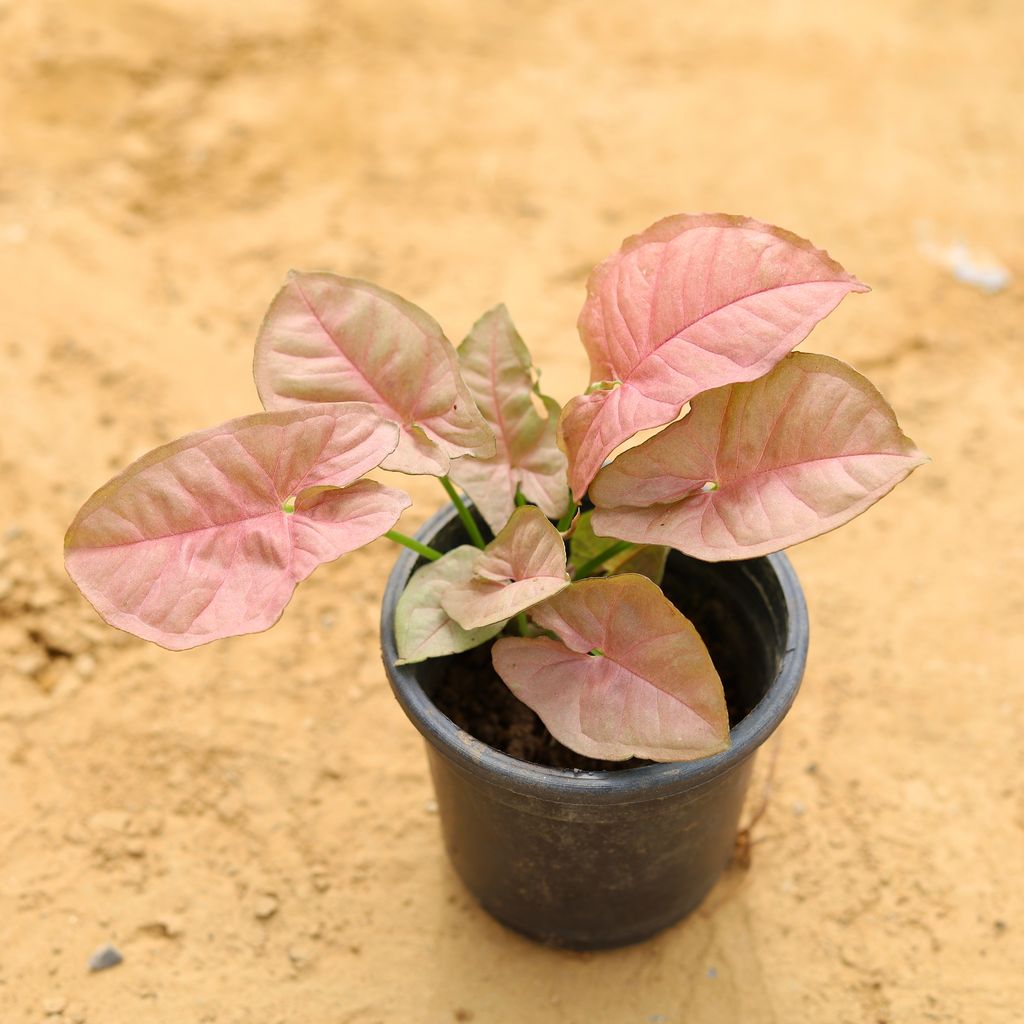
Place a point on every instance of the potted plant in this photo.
(593, 646)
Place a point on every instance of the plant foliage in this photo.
(207, 537)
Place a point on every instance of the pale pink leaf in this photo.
(650, 689)
(756, 467)
(693, 303)
(497, 369)
(524, 564)
(423, 629)
(193, 542)
(335, 339)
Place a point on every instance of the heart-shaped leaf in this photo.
(756, 467)
(629, 677)
(335, 339)
(497, 368)
(646, 559)
(524, 564)
(693, 303)
(423, 629)
(195, 541)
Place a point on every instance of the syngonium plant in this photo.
(207, 537)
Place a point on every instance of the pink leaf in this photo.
(497, 368)
(651, 691)
(695, 302)
(334, 339)
(756, 467)
(193, 542)
(423, 629)
(524, 564)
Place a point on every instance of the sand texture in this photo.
(251, 823)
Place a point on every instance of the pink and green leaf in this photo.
(585, 545)
(693, 303)
(423, 629)
(756, 467)
(497, 369)
(523, 565)
(207, 537)
(629, 675)
(334, 339)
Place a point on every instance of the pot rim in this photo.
(645, 782)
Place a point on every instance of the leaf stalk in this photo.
(570, 513)
(464, 514)
(414, 545)
(589, 566)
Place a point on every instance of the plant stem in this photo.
(520, 498)
(522, 625)
(464, 514)
(413, 544)
(570, 513)
(588, 567)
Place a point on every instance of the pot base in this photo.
(583, 877)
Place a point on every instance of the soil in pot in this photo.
(474, 697)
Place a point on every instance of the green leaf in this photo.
(646, 559)
(423, 629)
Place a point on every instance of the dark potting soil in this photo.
(473, 696)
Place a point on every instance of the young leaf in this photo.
(524, 564)
(423, 629)
(207, 537)
(497, 368)
(756, 467)
(651, 691)
(693, 303)
(646, 559)
(335, 339)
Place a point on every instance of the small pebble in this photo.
(299, 955)
(265, 907)
(54, 1005)
(84, 665)
(104, 957)
(31, 663)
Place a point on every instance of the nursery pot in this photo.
(596, 859)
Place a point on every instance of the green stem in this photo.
(570, 513)
(588, 567)
(414, 545)
(520, 498)
(467, 519)
(522, 625)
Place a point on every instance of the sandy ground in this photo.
(251, 823)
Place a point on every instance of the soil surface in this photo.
(251, 824)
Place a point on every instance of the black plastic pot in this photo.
(599, 859)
